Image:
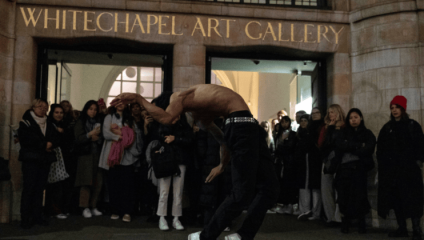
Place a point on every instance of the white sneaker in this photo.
(126, 218)
(194, 236)
(177, 225)
(61, 216)
(96, 212)
(114, 216)
(280, 209)
(296, 210)
(313, 218)
(288, 209)
(304, 216)
(227, 229)
(163, 224)
(234, 236)
(272, 210)
(86, 213)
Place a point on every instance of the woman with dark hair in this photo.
(308, 166)
(121, 176)
(88, 143)
(37, 137)
(180, 138)
(356, 146)
(59, 193)
(68, 112)
(400, 157)
(285, 143)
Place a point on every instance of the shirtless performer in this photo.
(255, 184)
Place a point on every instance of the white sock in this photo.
(175, 219)
(162, 218)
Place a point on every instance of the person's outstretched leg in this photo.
(242, 140)
(267, 187)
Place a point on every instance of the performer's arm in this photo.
(225, 153)
(167, 117)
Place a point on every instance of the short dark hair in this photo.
(163, 99)
(286, 119)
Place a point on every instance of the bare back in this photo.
(206, 101)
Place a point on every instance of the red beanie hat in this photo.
(399, 100)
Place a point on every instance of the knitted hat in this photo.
(399, 100)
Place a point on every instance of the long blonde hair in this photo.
(269, 132)
(340, 118)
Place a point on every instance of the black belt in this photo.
(240, 120)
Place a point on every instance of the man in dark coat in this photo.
(399, 155)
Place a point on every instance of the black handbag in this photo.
(4, 170)
(163, 161)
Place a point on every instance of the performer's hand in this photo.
(214, 173)
(169, 139)
(124, 99)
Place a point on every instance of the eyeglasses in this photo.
(43, 108)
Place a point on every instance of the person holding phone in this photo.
(88, 141)
(285, 142)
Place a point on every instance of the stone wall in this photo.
(7, 54)
(387, 60)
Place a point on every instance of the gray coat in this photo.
(109, 138)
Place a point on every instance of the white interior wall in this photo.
(274, 94)
(86, 83)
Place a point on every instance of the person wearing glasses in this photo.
(37, 137)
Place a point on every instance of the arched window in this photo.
(146, 81)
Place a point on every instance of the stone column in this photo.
(339, 80)
(189, 66)
(7, 45)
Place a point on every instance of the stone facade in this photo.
(372, 50)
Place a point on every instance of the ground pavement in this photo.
(275, 227)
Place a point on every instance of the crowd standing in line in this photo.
(106, 161)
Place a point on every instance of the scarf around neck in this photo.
(41, 121)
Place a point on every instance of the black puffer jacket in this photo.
(32, 140)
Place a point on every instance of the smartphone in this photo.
(97, 126)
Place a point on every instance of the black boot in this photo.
(26, 223)
(345, 225)
(416, 235)
(401, 231)
(362, 226)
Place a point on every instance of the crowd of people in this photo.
(118, 161)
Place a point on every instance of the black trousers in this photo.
(121, 189)
(255, 184)
(34, 182)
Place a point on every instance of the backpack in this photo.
(163, 160)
